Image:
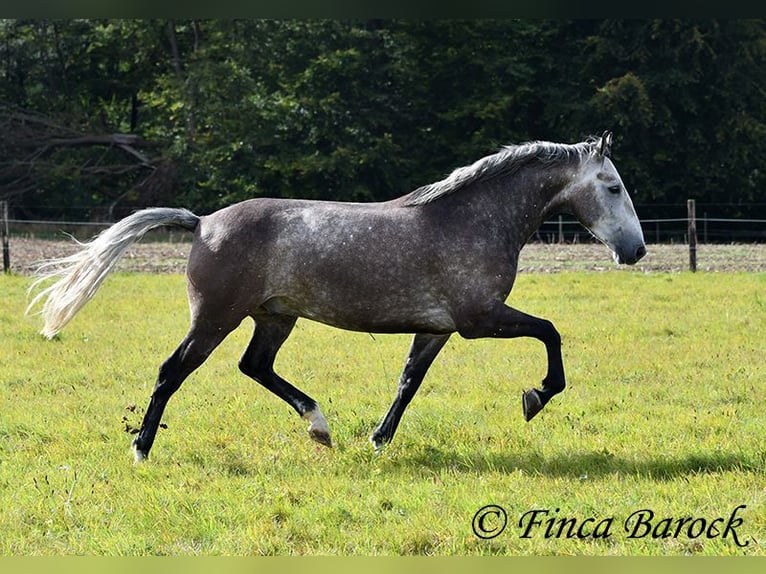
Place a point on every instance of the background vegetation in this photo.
(208, 112)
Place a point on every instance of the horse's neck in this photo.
(526, 199)
(505, 210)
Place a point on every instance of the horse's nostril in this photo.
(640, 252)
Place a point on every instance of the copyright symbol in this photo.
(489, 522)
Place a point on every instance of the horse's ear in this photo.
(605, 145)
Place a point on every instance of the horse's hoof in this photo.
(318, 429)
(531, 403)
(139, 456)
(377, 443)
(321, 437)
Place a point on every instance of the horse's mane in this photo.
(505, 162)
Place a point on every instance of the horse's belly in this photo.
(379, 316)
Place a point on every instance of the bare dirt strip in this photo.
(163, 257)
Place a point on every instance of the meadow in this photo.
(664, 412)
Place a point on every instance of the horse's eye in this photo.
(614, 189)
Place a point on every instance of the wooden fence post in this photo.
(561, 230)
(4, 227)
(691, 214)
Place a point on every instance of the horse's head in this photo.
(598, 199)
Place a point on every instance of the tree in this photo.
(688, 97)
(208, 112)
(69, 109)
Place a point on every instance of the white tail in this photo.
(80, 275)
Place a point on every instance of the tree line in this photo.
(100, 117)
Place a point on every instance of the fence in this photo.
(560, 230)
(666, 230)
(5, 236)
(677, 230)
(82, 230)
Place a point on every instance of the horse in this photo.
(439, 260)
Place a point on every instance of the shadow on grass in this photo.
(581, 464)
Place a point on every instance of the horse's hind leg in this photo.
(422, 353)
(270, 333)
(190, 354)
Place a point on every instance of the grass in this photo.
(664, 411)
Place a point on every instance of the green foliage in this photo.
(663, 410)
(368, 110)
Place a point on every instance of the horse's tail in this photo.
(80, 275)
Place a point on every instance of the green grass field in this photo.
(665, 411)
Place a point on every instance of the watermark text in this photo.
(492, 520)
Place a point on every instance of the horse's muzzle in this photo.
(631, 256)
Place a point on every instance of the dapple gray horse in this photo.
(439, 260)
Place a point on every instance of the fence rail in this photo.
(564, 229)
(50, 229)
(674, 230)
(667, 230)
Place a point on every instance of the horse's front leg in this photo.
(422, 353)
(502, 321)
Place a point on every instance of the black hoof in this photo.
(139, 455)
(378, 439)
(378, 442)
(321, 437)
(531, 403)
